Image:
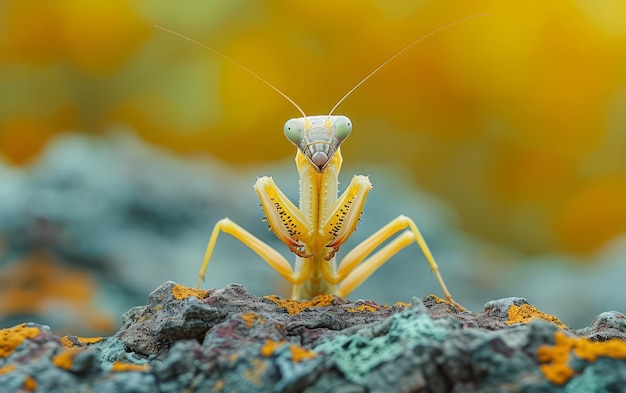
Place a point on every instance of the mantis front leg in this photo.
(359, 264)
(269, 195)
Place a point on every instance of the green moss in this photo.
(588, 381)
(356, 355)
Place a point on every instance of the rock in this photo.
(229, 340)
(605, 326)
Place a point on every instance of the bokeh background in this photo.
(122, 144)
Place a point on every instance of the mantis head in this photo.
(318, 137)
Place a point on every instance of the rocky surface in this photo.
(226, 339)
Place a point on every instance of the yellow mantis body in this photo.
(315, 230)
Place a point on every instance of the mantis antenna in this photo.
(368, 76)
(401, 51)
(237, 64)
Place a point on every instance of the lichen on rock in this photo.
(229, 340)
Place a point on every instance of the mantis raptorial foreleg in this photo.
(287, 222)
(269, 255)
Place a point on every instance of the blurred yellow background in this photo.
(517, 119)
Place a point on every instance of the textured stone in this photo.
(229, 340)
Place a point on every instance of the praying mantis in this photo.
(316, 229)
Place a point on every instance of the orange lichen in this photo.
(39, 281)
(591, 350)
(402, 304)
(526, 313)
(219, 385)
(255, 374)
(72, 341)
(7, 369)
(362, 307)
(437, 299)
(180, 292)
(119, 367)
(66, 342)
(298, 353)
(30, 384)
(555, 359)
(294, 307)
(65, 359)
(271, 346)
(11, 338)
(250, 317)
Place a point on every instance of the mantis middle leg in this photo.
(358, 264)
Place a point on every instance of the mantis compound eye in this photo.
(342, 128)
(294, 130)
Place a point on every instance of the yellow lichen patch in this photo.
(437, 299)
(255, 374)
(30, 384)
(11, 338)
(72, 341)
(299, 354)
(40, 283)
(65, 359)
(402, 304)
(526, 313)
(66, 342)
(180, 292)
(119, 367)
(90, 340)
(294, 307)
(7, 369)
(219, 385)
(270, 346)
(555, 359)
(250, 317)
(362, 307)
(591, 350)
